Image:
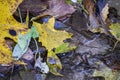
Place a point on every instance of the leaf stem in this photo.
(115, 44)
(20, 15)
(36, 48)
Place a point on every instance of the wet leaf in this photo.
(10, 28)
(34, 32)
(22, 46)
(100, 5)
(54, 63)
(23, 43)
(17, 52)
(42, 65)
(108, 74)
(64, 48)
(89, 6)
(115, 30)
(50, 37)
(34, 7)
(102, 9)
(55, 9)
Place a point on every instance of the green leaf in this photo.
(115, 30)
(80, 1)
(17, 52)
(34, 32)
(23, 41)
(49, 37)
(64, 48)
(68, 1)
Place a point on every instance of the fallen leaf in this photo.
(34, 33)
(10, 28)
(115, 30)
(34, 7)
(58, 9)
(89, 6)
(102, 9)
(50, 37)
(107, 73)
(64, 48)
(54, 63)
(23, 43)
(42, 65)
(17, 52)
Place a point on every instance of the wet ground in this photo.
(81, 63)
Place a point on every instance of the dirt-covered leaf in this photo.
(10, 28)
(50, 37)
(115, 30)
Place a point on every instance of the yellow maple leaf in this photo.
(9, 28)
(50, 37)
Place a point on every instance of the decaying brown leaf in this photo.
(35, 7)
(58, 9)
(89, 6)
